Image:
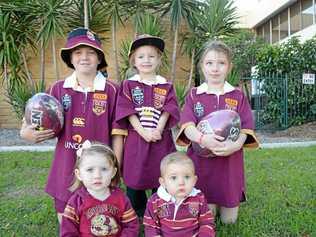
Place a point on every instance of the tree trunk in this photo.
(191, 71)
(55, 59)
(174, 55)
(86, 15)
(42, 72)
(5, 72)
(117, 69)
(28, 74)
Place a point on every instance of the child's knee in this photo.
(228, 215)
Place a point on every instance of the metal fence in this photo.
(281, 101)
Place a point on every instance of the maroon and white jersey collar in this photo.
(98, 83)
(158, 80)
(203, 88)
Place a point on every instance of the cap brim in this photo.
(153, 41)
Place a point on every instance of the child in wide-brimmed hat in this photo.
(147, 107)
(89, 100)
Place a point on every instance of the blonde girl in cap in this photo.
(89, 100)
(148, 109)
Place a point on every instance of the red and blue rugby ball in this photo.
(45, 111)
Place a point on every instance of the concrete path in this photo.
(52, 148)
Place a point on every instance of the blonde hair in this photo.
(214, 45)
(175, 158)
(95, 148)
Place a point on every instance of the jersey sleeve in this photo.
(247, 123)
(130, 225)
(206, 219)
(125, 106)
(171, 106)
(187, 118)
(117, 129)
(151, 221)
(70, 220)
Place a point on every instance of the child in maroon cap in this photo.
(147, 107)
(89, 100)
(221, 178)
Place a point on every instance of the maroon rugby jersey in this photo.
(86, 216)
(147, 101)
(221, 179)
(189, 218)
(88, 115)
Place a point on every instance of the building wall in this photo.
(7, 116)
(255, 11)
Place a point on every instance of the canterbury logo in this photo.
(78, 122)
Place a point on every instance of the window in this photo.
(295, 18)
(284, 25)
(259, 31)
(266, 34)
(275, 29)
(307, 13)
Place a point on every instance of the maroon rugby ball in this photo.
(45, 111)
(225, 123)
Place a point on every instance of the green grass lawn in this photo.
(281, 188)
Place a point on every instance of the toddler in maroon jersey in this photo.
(147, 107)
(98, 207)
(178, 209)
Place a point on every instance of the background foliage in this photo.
(288, 61)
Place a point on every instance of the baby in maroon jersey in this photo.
(178, 209)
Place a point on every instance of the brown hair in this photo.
(175, 157)
(96, 148)
(214, 45)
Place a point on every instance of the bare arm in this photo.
(230, 147)
(117, 145)
(146, 134)
(157, 133)
(29, 133)
(209, 141)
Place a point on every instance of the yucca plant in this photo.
(125, 67)
(18, 95)
(177, 10)
(214, 19)
(181, 92)
(96, 16)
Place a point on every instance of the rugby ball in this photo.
(45, 111)
(225, 123)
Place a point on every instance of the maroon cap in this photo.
(145, 39)
(78, 37)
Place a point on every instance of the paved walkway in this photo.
(51, 148)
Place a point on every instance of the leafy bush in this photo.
(288, 62)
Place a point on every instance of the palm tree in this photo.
(54, 23)
(115, 12)
(215, 19)
(17, 29)
(177, 10)
(86, 15)
(93, 15)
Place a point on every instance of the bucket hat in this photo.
(82, 36)
(145, 39)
